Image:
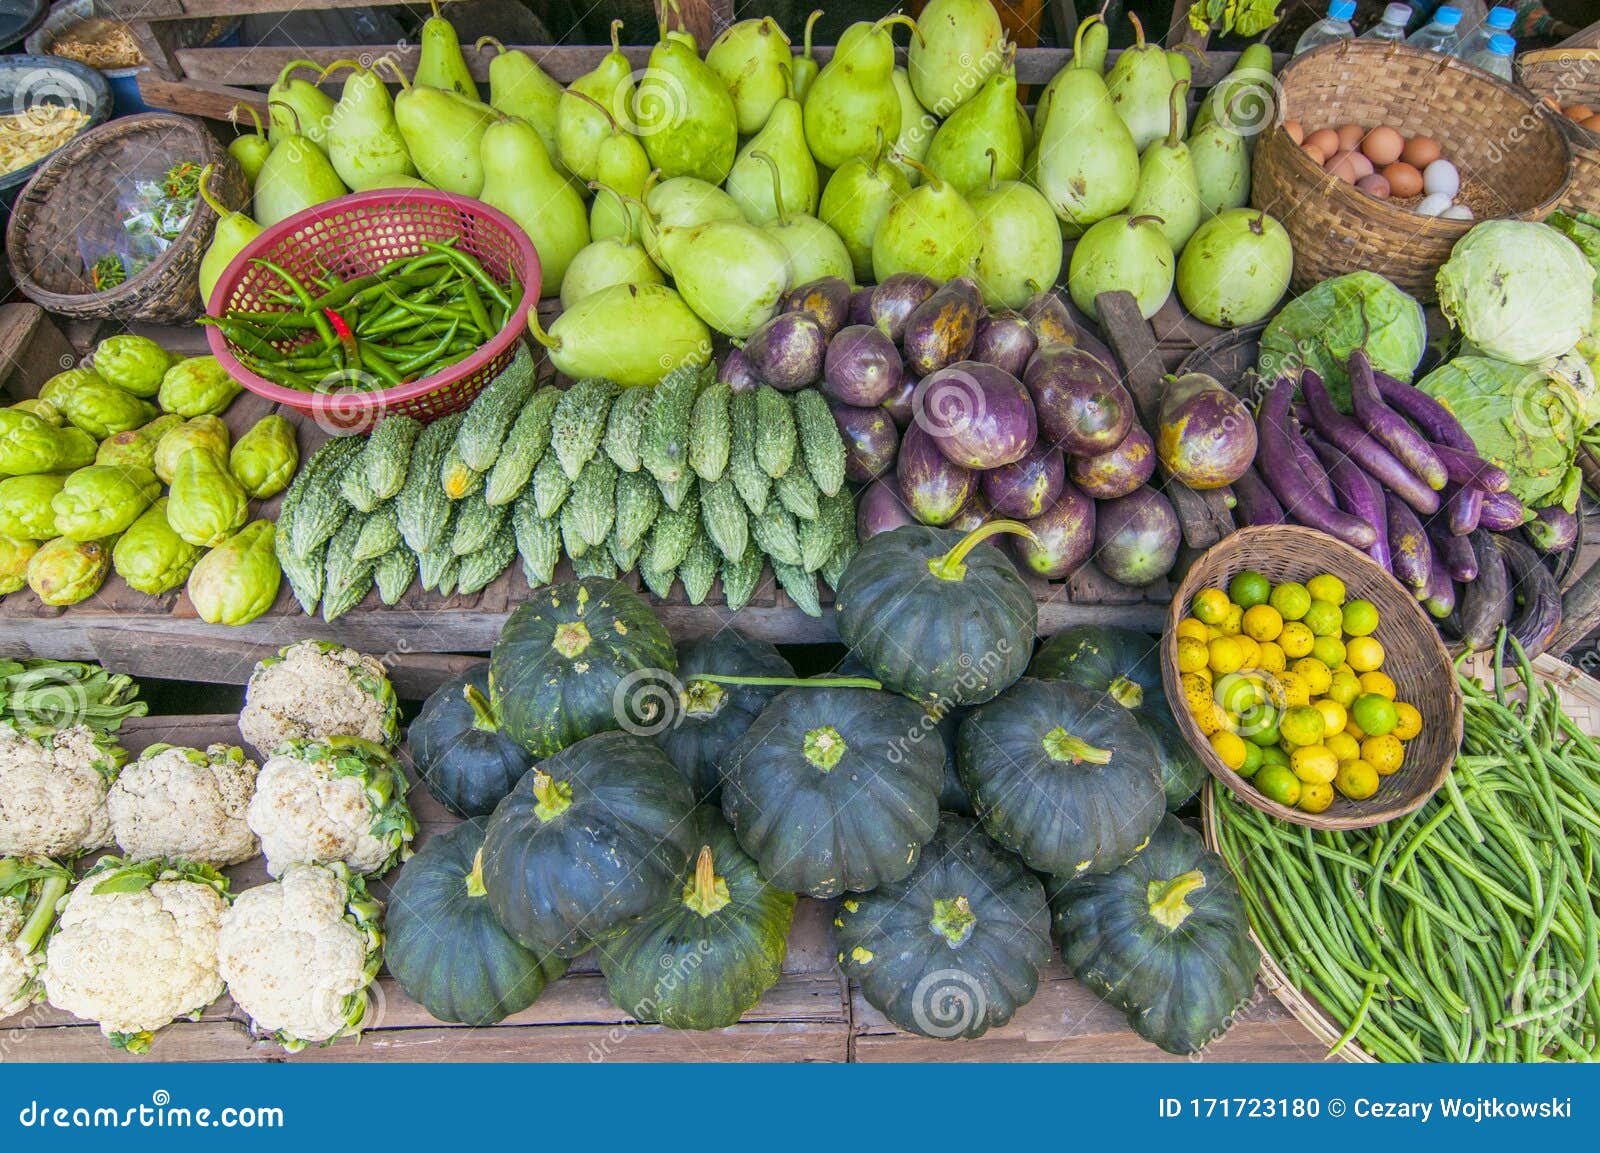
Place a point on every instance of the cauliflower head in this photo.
(339, 800)
(299, 954)
(53, 791)
(316, 689)
(136, 947)
(184, 803)
(30, 890)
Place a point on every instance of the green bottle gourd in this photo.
(683, 111)
(297, 107)
(981, 135)
(1168, 187)
(917, 127)
(621, 166)
(440, 63)
(1019, 242)
(853, 97)
(580, 128)
(1139, 83)
(751, 58)
(682, 201)
(1087, 165)
(932, 231)
(519, 87)
(233, 232)
(1126, 253)
(520, 180)
(296, 176)
(857, 200)
(1089, 50)
(632, 334)
(815, 250)
(364, 142)
(962, 43)
(603, 263)
(733, 274)
(783, 139)
(249, 149)
(804, 66)
(1246, 91)
(1221, 163)
(443, 132)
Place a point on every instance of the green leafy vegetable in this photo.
(1321, 328)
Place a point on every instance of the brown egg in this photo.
(1296, 133)
(1374, 185)
(1403, 179)
(1383, 145)
(1324, 140)
(1593, 123)
(1350, 135)
(1348, 166)
(1419, 152)
(1316, 154)
(1578, 112)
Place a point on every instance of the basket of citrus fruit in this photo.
(1309, 681)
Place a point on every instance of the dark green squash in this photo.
(579, 658)
(829, 792)
(1127, 665)
(443, 943)
(589, 841)
(459, 751)
(1061, 775)
(936, 618)
(954, 949)
(708, 717)
(1165, 938)
(704, 958)
(952, 793)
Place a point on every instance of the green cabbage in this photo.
(1520, 292)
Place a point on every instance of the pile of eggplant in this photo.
(1401, 479)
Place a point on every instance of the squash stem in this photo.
(483, 717)
(475, 886)
(793, 682)
(824, 747)
(554, 797)
(1169, 903)
(1060, 745)
(952, 565)
(706, 892)
(1126, 693)
(571, 639)
(953, 920)
(701, 698)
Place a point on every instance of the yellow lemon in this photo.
(1251, 651)
(1342, 745)
(1326, 587)
(1293, 689)
(1193, 629)
(1379, 684)
(1230, 747)
(1193, 655)
(1408, 721)
(1210, 606)
(1314, 764)
(1272, 657)
(1262, 622)
(1365, 654)
(1356, 780)
(1314, 798)
(1344, 688)
(1233, 623)
(1315, 674)
(1384, 754)
(1226, 656)
(1301, 725)
(1333, 716)
(1296, 640)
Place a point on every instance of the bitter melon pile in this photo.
(686, 481)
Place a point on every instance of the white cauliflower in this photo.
(53, 791)
(30, 889)
(178, 802)
(298, 954)
(339, 800)
(316, 689)
(136, 948)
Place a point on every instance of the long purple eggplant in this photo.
(1470, 468)
(1502, 512)
(1436, 421)
(1540, 617)
(1358, 494)
(1254, 503)
(1410, 556)
(1439, 598)
(1348, 436)
(1486, 603)
(1316, 475)
(1455, 551)
(1286, 478)
(1464, 506)
(1389, 428)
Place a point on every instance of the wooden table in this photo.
(812, 1014)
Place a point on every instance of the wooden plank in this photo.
(208, 100)
(32, 350)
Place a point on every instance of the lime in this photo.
(1296, 640)
(1314, 798)
(1210, 606)
(1260, 726)
(1356, 780)
(1314, 764)
(1229, 747)
(1323, 619)
(1344, 688)
(1360, 618)
(1252, 760)
(1225, 655)
(1301, 725)
(1408, 721)
(1273, 755)
(1326, 587)
(1373, 715)
(1291, 600)
(1240, 693)
(1277, 783)
(1262, 622)
(1365, 654)
(1384, 754)
(1249, 589)
(1329, 650)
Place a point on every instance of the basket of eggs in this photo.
(1382, 156)
(1568, 81)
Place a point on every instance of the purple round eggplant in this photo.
(880, 509)
(933, 486)
(980, 416)
(1028, 487)
(1005, 341)
(1206, 437)
(1136, 537)
(862, 366)
(1083, 408)
(1050, 319)
(974, 513)
(1109, 475)
(897, 298)
(827, 299)
(1063, 537)
(787, 351)
(1552, 529)
(736, 373)
(898, 403)
(940, 331)
(871, 440)
(860, 311)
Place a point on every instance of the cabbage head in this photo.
(1519, 292)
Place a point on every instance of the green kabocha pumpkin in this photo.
(828, 791)
(943, 728)
(706, 718)
(443, 943)
(704, 958)
(589, 841)
(936, 618)
(459, 750)
(1126, 664)
(1062, 776)
(579, 658)
(954, 949)
(1165, 938)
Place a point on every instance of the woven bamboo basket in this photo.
(1416, 660)
(1580, 700)
(76, 192)
(1570, 76)
(1513, 161)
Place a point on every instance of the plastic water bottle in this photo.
(1392, 26)
(1497, 57)
(1440, 35)
(1334, 26)
(1498, 20)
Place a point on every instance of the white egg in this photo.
(1456, 212)
(1432, 205)
(1441, 177)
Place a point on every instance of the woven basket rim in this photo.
(82, 147)
(1585, 142)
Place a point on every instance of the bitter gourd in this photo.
(664, 446)
(595, 563)
(777, 440)
(347, 579)
(393, 574)
(711, 431)
(421, 505)
(822, 537)
(319, 509)
(572, 542)
(458, 478)
(594, 499)
(658, 581)
(674, 530)
(538, 540)
(380, 532)
(742, 577)
(798, 493)
(724, 517)
(491, 415)
(625, 427)
(479, 568)
(379, 470)
(638, 503)
(304, 574)
(821, 446)
(579, 423)
(550, 486)
(476, 524)
(800, 585)
(774, 530)
(698, 572)
(524, 447)
(754, 485)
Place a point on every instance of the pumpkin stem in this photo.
(952, 565)
(794, 682)
(706, 892)
(702, 699)
(824, 747)
(1060, 745)
(571, 639)
(482, 712)
(475, 878)
(1126, 693)
(554, 797)
(1169, 903)
(953, 920)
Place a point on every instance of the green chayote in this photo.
(150, 556)
(65, 572)
(25, 509)
(29, 444)
(199, 386)
(134, 364)
(206, 432)
(42, 409)
(205, 504)
(264, 459)
(14, 558)
(103, 500)
(137, 445)
(62, 383)
(101, 409)
(238, 580)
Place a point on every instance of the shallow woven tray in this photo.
(1570, 76)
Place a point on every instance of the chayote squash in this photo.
(199, 386)
(25, 509)
(103, 500)
(202, 432)
(265, 458)
(42, 409)
(14, 558)
(29, 443)
(136, 446)
(134, 364)
(101, 409)
(65, 572)
(238, 580)
(205, 504)
(150, 556)
(62, 383)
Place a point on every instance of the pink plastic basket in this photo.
(359, 234)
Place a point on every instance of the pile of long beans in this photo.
(1466, 931)
(414, 317)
